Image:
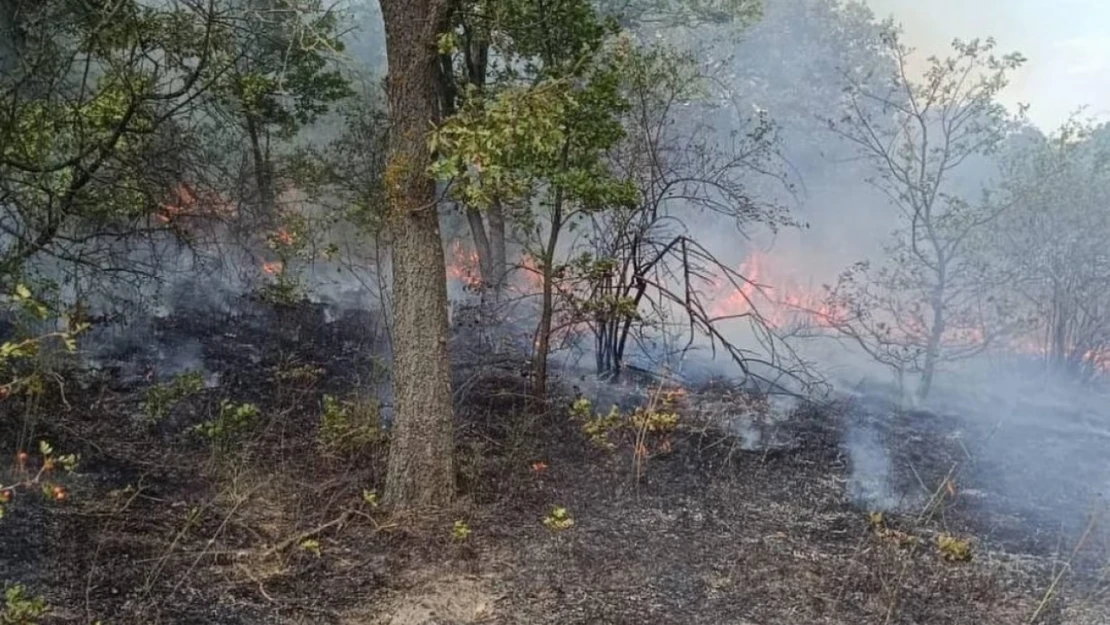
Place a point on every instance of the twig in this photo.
(288, 542)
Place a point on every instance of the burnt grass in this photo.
(161, 527)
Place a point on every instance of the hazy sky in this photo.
(1067, 43)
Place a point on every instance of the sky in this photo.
(1066, 42)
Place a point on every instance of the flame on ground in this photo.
(778, 298)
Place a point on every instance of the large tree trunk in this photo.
(421, 457)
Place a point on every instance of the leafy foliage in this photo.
(160, 399)
(231, 422)
(1051, 240)
(348, 427)
(21, 608)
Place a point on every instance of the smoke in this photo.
(871, 469)
(1031, 449)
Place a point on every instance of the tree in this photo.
(280, 80)
(95, 101)
(421, 455)
(926, 300)
(1053, 242)
(490, 45)
(539, 140)
(644, 265)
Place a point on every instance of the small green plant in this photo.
(347, 427)
(23, 367)
(160, 399)
(558, 520)
(654, 421)
(310, 545)
(601, 429)
(233, 421)
(460, 531)
(370, 498)
(21, 608)
(29, 478)
(597, 427)
(954, 549)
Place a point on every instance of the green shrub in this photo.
(160, 399)
(350, 426)
(233, 421)
(20, 608)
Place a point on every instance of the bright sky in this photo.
(1066, 42)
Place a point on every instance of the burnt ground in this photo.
(713, 526)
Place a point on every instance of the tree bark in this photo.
(933, 345)
(481, 245)
(263, 172)
(421, 458)
(499, 264)
(547, 305)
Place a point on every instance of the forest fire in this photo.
(187, 201)
(779, 299)
(463, 265)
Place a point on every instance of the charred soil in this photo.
(694, 525)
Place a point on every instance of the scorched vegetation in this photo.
(514, 311)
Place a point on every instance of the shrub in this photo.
(350, 426)
(21, 608)
(42, 478)
(160, 399)
(602, 429)
(233, 421)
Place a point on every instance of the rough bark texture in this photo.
(421, 463)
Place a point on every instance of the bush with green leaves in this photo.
(160, 399)
(232, 422)
(605, 430)
(26, 477)
(349, 426)
(21, 608)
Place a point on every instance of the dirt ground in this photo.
(706, 527)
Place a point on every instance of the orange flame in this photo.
(185, 201)
(272, 268)
(285, 237)
(780, 300)
(463, 266)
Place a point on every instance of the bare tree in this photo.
(421, 456)
(917, 135)
(645, 253)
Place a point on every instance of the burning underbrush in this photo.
(230, 461)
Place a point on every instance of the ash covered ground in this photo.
(749, 512)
